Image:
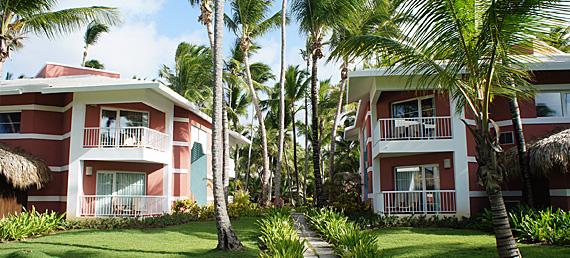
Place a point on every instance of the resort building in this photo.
(115, 147)
(418, 157)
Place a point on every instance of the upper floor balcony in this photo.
(126, 144)
(412, 135)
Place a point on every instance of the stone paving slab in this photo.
(316, 246)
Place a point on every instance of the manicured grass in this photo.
(442, 242)
(195, 239)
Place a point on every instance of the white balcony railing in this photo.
(419, 202)
(416, 128)
(121, 206)
(124, 137)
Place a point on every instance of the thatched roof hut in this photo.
(547, 154)
(22, 170)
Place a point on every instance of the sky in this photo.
(147, 39)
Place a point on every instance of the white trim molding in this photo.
(59, 169)
(182, 119)
(176, 198)
(34, 136)
(180, 171)
(181, 144)
(47, 198)
(560, 192)
(35, 107)
(471, 159)
(505, 193)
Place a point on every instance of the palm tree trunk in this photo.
(315, 127)
(227, 238)
(289, 179)
(336, 121)
(236, 161)
(265, 187)
(84, 56)
(205, 17)
(1, 68)
(226, 149)
(306, 142)
(281, 109)
(298, 197)
(249, 152)
(521, 149)
(506, 245)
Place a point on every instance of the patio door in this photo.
(114, 123)
(416, 118)
(418, 186)
(112, 185)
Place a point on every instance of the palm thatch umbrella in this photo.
(546, 155)
(19, 171)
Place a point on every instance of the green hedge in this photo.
(279, 235)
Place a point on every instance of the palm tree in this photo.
(484, 45)
(20, 18)
(248, 22)
(227, 238)
(192, 75)
(205, 17)
(92, 34)
(281, 102)
(559, 38)
(314, 17)
(95, 64)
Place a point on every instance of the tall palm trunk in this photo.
(289, 180)
(521, 149)
(249, 152)
(265, 187)
(315, 127)
(84, 55)
(343, 76)
(298, 197)
(490, 176)
(206, 19)
(306, 141)
(281, 109)
(227, 238)
(226, 149)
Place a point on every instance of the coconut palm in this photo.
(559, 37)
(314, 18)
(227, 238)
(192, 75)
(484, 45)
(23, 17)
(249, 21)
(92, 34)
(95, 64)
(281, 101)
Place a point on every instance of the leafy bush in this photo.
(346, 236)
(29, 224)
(279, 235)
(161, 221)
(240, 208)
(545, 226)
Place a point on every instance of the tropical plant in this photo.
(476, 51)
(559, 37)
(28, 224)
(20, 18)
(227, 238)
(95, 64)
(92, 34)
(205, 17)
(281, 102)
(249, 21)
(279, 235)
(192, 75)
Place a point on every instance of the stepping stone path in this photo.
(316, 246)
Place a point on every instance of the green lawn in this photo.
(440, 242)
(196, 239)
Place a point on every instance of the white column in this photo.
(376, 191)
(167, 170)
(75, 173)
(460, 164)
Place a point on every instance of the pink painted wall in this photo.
(55, 70)
(383, 107)
(154, 175)
(157, 119)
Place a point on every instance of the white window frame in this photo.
(118, 114)
(20, 123)
(419, 101)
(512, 137)
(422, 169)
(563, 103)
(114, 186)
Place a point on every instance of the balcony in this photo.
(124, 137)
(126, 144)
(413, 135)
(121, 206)
(418, 202)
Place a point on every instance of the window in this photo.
(421, 107)
(417, 178)
(552, 104)
(121, 183)
(10, 122)
(506, 138)
(126, 118)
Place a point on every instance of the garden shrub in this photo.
(240, 208)
(544, 226)
(28, 224)
(160, 221)
(346, 236)
(279, 236)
